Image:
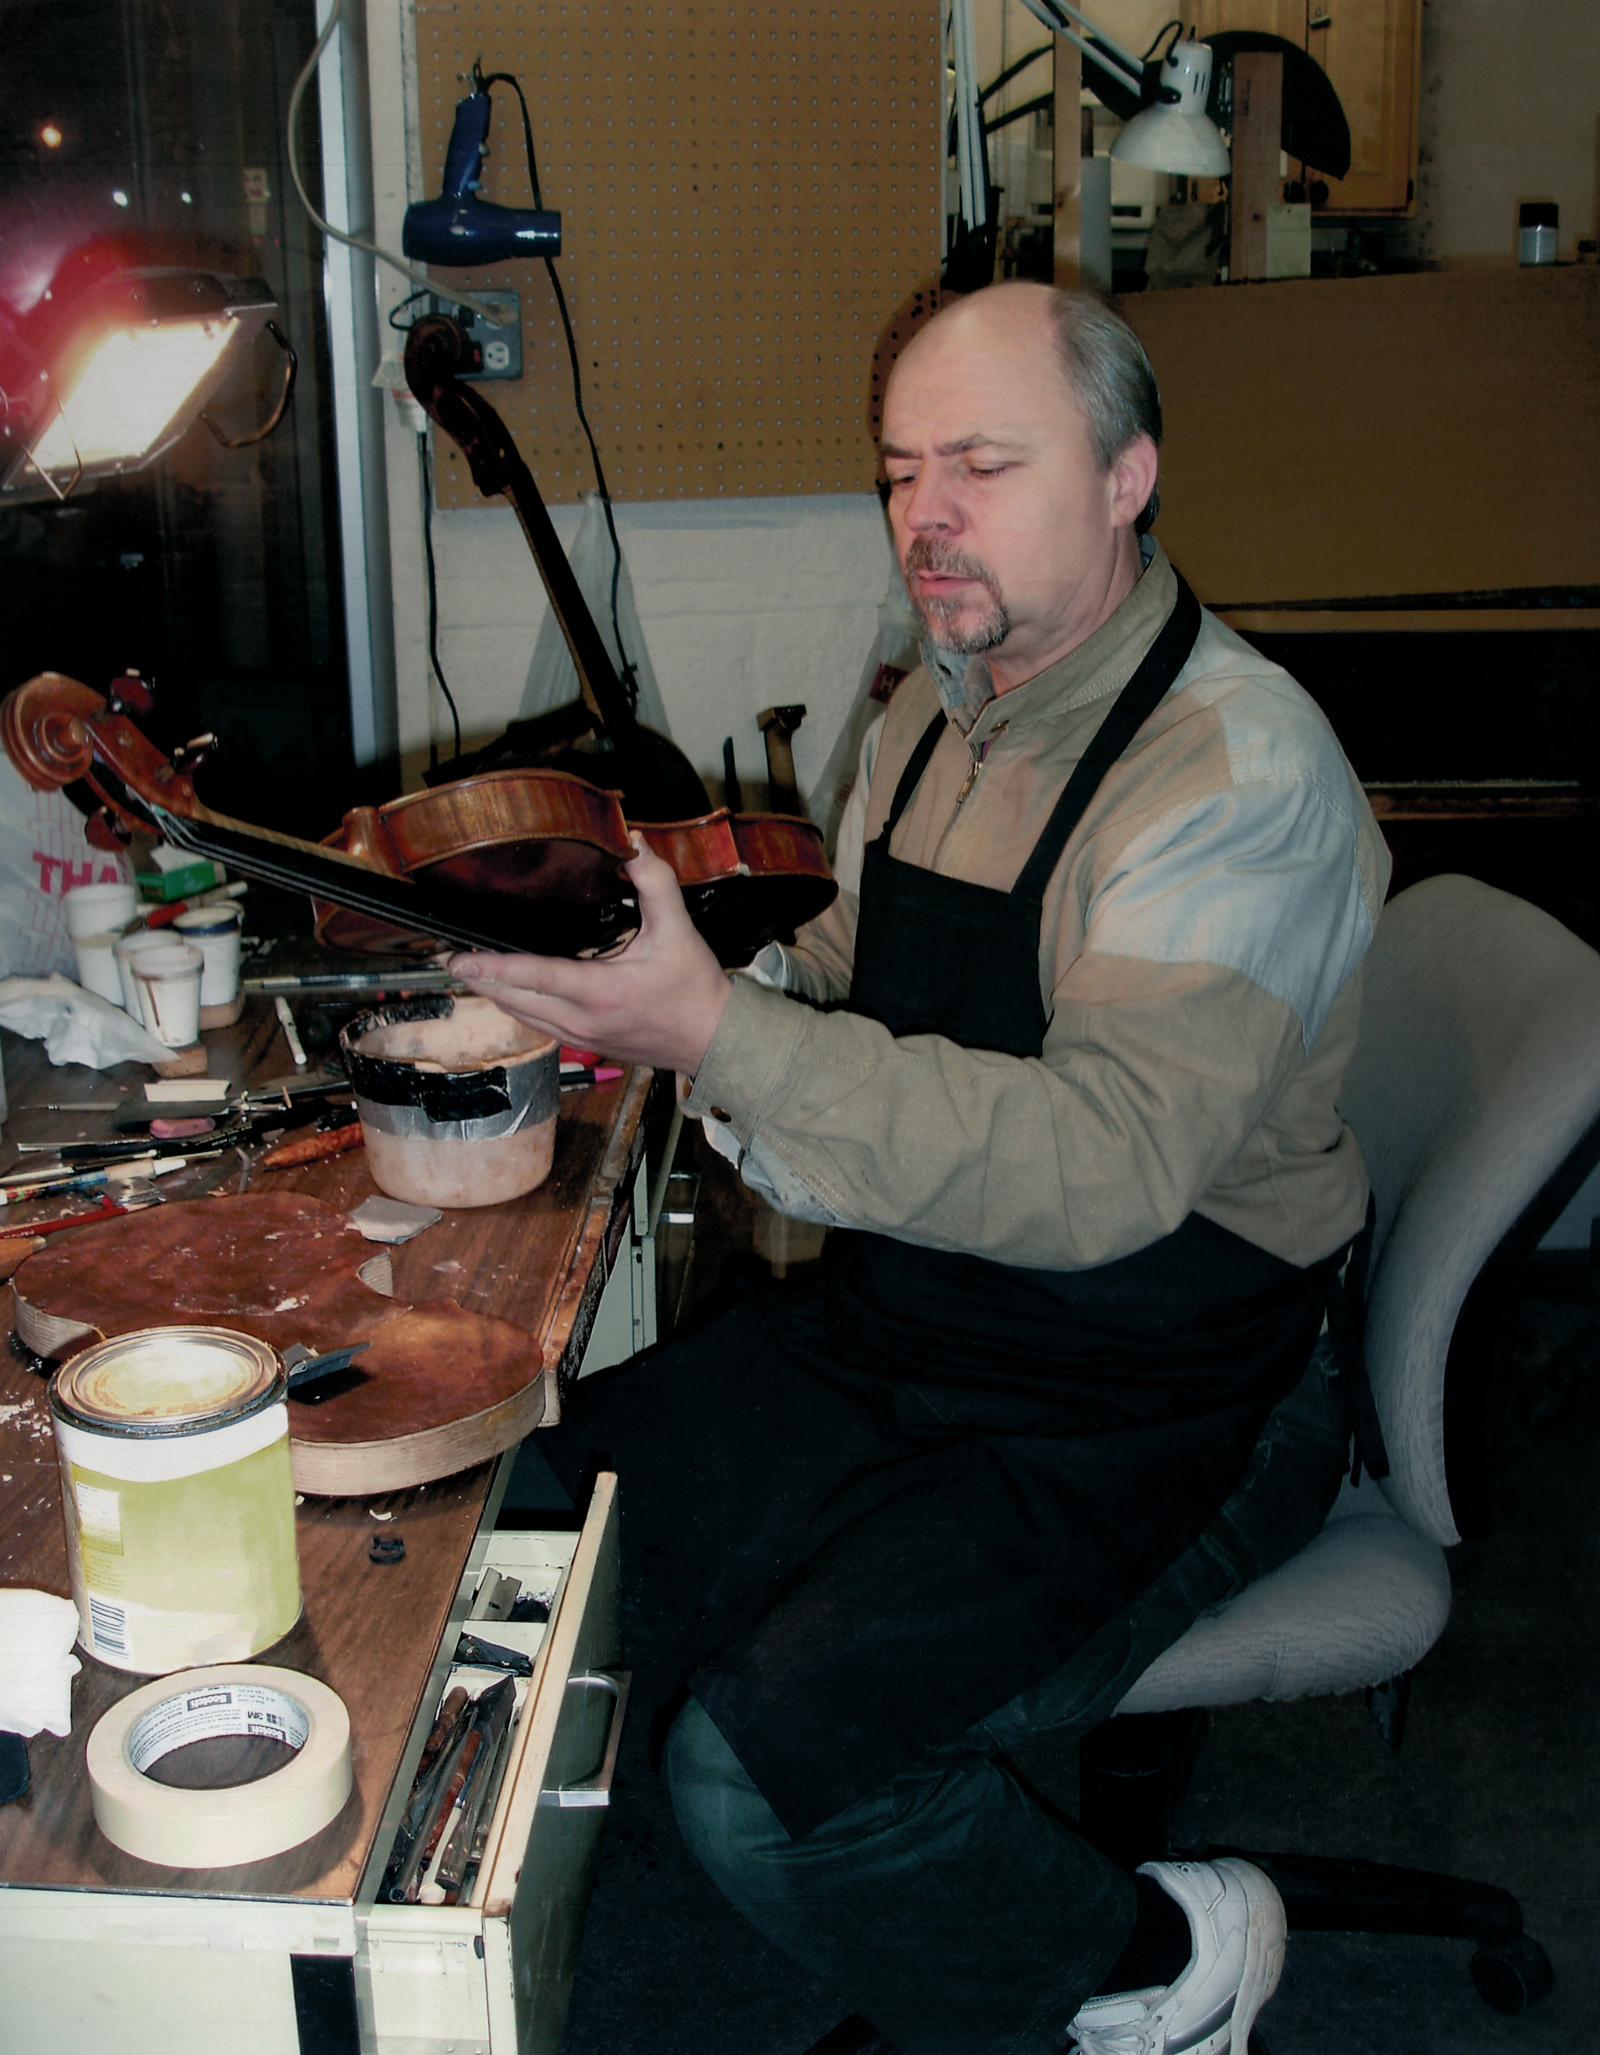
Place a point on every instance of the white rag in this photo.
(76, 1026)
(37, 1665)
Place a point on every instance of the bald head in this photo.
(1101, 361)
(1020, 440)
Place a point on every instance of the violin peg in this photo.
(191, 755)
(130, 694)
(103, 830)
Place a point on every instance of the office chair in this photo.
(1475, 1095)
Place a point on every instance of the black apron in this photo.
(1048, 1440)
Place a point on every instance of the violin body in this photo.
(556, 844)
(513, 860)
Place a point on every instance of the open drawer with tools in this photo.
(491, 1973)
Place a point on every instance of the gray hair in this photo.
(1112, 379)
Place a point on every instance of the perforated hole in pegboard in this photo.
(750, 202)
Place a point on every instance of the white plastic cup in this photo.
(97, 966)
(168, 982)
(124, 952)
(95, 909)
(215, 932)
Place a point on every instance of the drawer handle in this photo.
(596, 1790)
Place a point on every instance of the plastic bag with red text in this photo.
(43, 853)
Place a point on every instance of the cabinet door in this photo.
(1370, 49)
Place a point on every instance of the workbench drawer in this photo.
(493, 1976)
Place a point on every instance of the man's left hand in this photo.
(658, 1001)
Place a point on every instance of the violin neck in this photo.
(446, 912)
(597, 675)
(498, 466)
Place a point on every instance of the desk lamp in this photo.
(1163, 102)
(113, 365)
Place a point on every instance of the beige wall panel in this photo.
(1346, 438)
(750, 204)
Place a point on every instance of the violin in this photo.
(528, 858)
(512, 860)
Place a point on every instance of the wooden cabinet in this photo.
(1370, 49)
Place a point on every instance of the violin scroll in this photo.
(43, 726)
(55, 731)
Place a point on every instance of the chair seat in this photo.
(1361, 1603)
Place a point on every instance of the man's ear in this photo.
(1132, 479)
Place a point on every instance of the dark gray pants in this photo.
(948, 1907)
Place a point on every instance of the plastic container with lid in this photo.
(174, 1451)
(1538, 229)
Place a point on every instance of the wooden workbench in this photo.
(371, 1631)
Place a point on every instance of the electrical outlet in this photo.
(493, 351)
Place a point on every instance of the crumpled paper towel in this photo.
(76, 1026)
(37, 1665)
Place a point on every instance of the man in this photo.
(1060, 1065)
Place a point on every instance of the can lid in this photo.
(168, 1380)
(209, 920)
(1539, 214)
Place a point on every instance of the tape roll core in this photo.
(241, 1822)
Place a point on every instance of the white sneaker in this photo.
(1236, 1919)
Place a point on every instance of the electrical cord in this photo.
(628, 671)
(410, 300)
(491, 310)
(1160, 32)
(285, 392)
(1005, 77)
(1000, 121)
(433, 601)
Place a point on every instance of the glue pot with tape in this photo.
(213, 1829)
(458, 1101)
(179, 1502)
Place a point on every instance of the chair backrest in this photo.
(1477, 1073)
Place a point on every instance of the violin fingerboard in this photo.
(443, 911)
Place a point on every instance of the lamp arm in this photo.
(1059, 16)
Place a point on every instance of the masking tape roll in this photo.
(243, 1822)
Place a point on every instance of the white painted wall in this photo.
(1510, 104)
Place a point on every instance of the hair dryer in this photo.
(459, 228)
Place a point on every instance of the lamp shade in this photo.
(1178, 136)
(120, 373)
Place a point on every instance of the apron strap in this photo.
(1347, 1320)
(1133, 706)
(911, 776)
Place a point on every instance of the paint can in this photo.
(174, 1451)
(458, 1101)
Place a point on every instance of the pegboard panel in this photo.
(750, 202)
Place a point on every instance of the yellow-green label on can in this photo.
(180, 1540)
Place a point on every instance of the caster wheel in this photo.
(1511, 1975)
